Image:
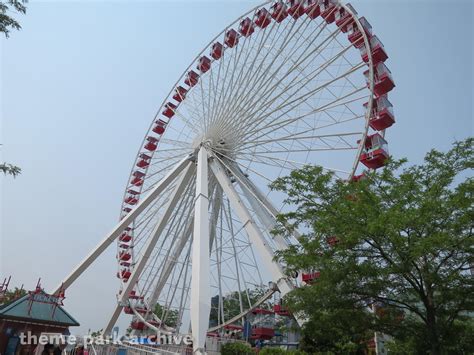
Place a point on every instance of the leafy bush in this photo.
(236, 349)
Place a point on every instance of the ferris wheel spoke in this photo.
(232, 87)
(265, 36)
(259, 81)
(226, 62)
(270, 86)
(282, 124)
(331, 75)
(291, 138)
(291, 102)
(278, 124)
(226, 105)
(262, 82)
(241, 85)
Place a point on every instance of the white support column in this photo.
(249, 188)
(252, 230)
(265, 218)
(200, 283)
(176, 195)
(118, 229)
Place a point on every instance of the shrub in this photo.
(237, 349)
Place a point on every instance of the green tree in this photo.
(167, 316)
(399, 241)
(7, 22)
(11, 295)
(231, 304)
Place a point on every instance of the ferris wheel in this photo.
(287, 84)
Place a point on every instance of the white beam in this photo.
(250, 188)
(118, 229)
(112, 320)
(200, 280)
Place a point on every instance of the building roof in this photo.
(37, 308)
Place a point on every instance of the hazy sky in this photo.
(82, 80)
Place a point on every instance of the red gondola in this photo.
(262, 18)
(375, 152)
(191, 78)
(281, 311)
(152, 144)
(142, 163)
(204, 64)
(136, 181)
(263, 333)
(328, 10)
(377, 51)
(246, 27)
(279, 11)
(179, 93)
(125, 237)
(297, 8)
(160, 127)
(137, 325)
(382, 115)
(124, 274)
(355, 36)
(310, 277)
(312, 9)
(344, 19)
(216, 50)
(124, 256)
(231, 38)
(383, 81)
(169, 110)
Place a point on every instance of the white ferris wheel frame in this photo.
(203, 163)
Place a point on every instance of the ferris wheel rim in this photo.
(193, 62)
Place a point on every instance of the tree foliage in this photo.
(12, 295)
(167, 316)
(236, 348)
(10, 169)
(7, 22)
(403, 247)
(231, 304)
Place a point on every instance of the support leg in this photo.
(112, 320)
(200, 283)
(99, 249)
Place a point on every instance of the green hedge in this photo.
(237, 349)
